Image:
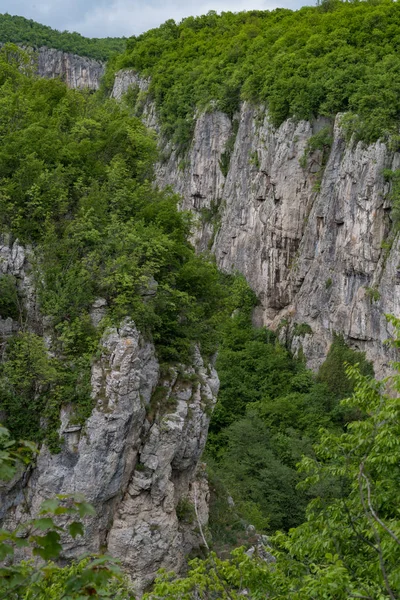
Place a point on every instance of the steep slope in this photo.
(76, 60)
(317, 247)
(120, 395)
(286, 187)
(136, 460)
(108, 326)
(77, 72)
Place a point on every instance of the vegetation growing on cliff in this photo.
(27, 32)
(76, 182)
(394, 196)
(349, 544)
(96, 576)
(335, 57)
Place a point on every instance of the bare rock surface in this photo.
(128, 79)
(124, 80)
(314, 242)
(77, 71)
(135, 459)
(15, 262)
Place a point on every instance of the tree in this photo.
(349, 544)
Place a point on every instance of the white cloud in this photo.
(100, 18)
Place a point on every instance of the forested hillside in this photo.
(76, 183)
(336, 57)
(303, 466)
(27, 32)
(76, 188)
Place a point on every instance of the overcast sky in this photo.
(101, 18)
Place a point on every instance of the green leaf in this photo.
(48, 546)
(21, 542)
(5, 550)
(75, 529)
(65, 510)
(86, 509)
(49, 506)
(44, 523)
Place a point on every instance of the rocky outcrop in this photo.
(314, 241)
(15, 264)
(135, 459)
(76, 71)
(126, 79)
(346, 275)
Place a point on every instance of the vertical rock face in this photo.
(135, 459)
(198, 177)
(314, 242)
(127, 79)
(267, 197)
(76, 71)
(345, 278)
(124, 80)
(14, 262)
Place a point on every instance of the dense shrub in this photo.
(269, 414)
(336, 57)
(9, 302)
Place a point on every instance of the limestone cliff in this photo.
(127, 79)
(314, 241)
(136, 459)
(76, 71)
(14, 262)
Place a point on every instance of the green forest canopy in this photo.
(322, 60)
(19, 30)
